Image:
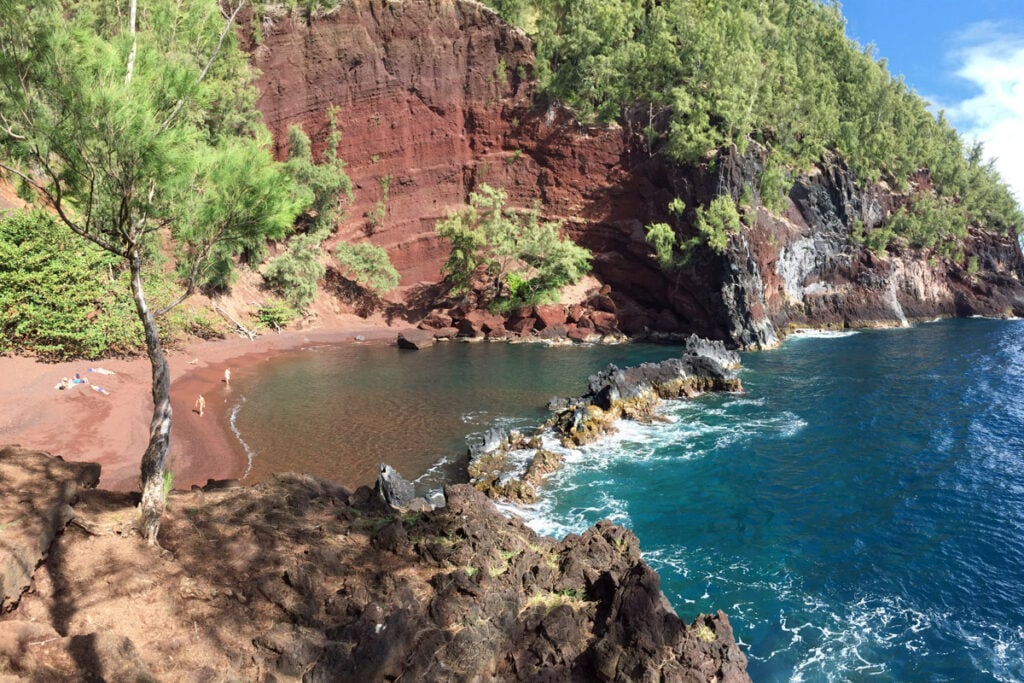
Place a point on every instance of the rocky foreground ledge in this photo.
(298, 578)
(509, 465)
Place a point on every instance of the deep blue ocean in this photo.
(858, 511)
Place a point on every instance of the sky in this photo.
(965, 57)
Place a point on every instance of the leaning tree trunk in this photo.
(154, 497)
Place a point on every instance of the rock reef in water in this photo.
(297, 578)
(510, 465)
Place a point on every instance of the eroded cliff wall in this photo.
(436, 97)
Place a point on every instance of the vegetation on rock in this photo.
(699, 76)
(526, 260)
(368, 265)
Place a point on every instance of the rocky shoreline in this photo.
(298, 578)
(510, 465)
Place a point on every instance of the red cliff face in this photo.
(436, 97)
(424, 90)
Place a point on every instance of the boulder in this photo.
(415, 340)
(602, 302)
(446, 333)
(579, 334)
(522, 326)
(435, 320)
(393, 488)
(553, 332)
(549, 315)
(605, 322)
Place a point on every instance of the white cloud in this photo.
(992, 59)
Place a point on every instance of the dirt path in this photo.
(112, 429)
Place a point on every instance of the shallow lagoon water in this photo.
(340, 411)
(858, 512)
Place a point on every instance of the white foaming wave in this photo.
(435, 472)
(760, 402)
(687, 434)
(576, 520)
(815, 639)
(996, 650)
(250, 454)
(474, 417)
(811, 333)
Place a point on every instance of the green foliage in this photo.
(268, 13)
(276, 313)
(63, 298)
(59, 296)
(505, 244)
(376, 215)
(323, 183)
(780, 72)
(294, 274)
(167, 150)
(774, 186)
(663, 238)
(928, 220)
(719, 220)
(368, 265)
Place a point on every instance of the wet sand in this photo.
(81, 424)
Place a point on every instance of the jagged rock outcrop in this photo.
(437, 97)
(297, 578)
(510, 465)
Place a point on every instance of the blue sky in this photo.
(963, 56)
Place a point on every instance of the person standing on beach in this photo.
(200, 405)
(227, 376)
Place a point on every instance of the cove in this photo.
(858, 511)
(340, 411)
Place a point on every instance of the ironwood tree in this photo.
(135, 126)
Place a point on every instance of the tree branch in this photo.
(202, 74)
(131, 55)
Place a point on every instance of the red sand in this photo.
(113, 430)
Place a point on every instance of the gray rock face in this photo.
(807, 268)
(393, 488)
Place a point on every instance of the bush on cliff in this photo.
(368, 265)
(526, 260)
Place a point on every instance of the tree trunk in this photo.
(154, 498)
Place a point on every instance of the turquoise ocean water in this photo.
(858, 511)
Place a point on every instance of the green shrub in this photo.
(275, 313)
(719, 220)
(507, 243)
(60, 297)
(663, 238)
(294, 274)
(368, 265)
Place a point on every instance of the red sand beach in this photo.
(112, 429)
